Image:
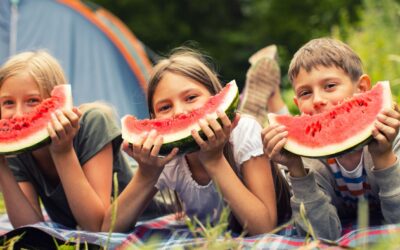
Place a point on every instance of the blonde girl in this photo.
(72, 176)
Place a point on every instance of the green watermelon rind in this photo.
(188, 144)
(353, 143)
(39, 138)
(28, 148)
(183, 139)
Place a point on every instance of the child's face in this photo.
(19, 94)
(176, 94)
(322, 88)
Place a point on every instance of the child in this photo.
(231, 160)
(72, 175)
(324, 72)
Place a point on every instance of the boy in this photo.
(324, 72)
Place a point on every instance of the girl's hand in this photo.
(385, 131)
(145, 151)
(274, 138)
(62, 129)
(217, 136)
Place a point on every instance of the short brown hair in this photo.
(326, 52)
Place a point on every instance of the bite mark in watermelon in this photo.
(176, 131)
(29, 132)
(344, 128)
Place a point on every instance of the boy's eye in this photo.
(303, 93)
(330, 85)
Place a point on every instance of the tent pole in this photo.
(13, 27)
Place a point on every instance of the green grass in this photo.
(217, 237)
(2, 206)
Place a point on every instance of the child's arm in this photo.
(87, 187)
(315, 192)
(252, 202)
(131, 202)
(257, 191)
(20, 199)
(385, 152)
(141, 189)
(316, 197)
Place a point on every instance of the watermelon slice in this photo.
(346, 127)
(176, 131)
(30, 131)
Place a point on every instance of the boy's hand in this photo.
(145, 151)
(274, 138)
(385, 131)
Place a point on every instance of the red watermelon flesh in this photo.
(30, 131)
(338, 130)
(176, 131)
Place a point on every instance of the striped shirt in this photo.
(350, 185)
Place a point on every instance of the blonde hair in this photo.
(40, 65)
(185, 62)
(326, 52)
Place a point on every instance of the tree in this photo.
(376, 38)
(230, 30)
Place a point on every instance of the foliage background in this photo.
(376, 38)
(230, 31)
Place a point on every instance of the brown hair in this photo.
(326, 52)
(185, 62)
(189, 63)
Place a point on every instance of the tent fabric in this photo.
(102, 59)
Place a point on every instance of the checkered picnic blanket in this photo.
(167, 233)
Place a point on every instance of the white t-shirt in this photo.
(203, 201)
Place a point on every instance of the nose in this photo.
(19, 111)
(319, 101)
(179, 109)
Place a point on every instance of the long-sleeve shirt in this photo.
(326, 209)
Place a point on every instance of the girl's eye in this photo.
(191, 98)
(33, 101)
(163, 108)
(7, 103)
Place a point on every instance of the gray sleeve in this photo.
(388, 181)
(317, 202)
(97, 128)
(18, 167)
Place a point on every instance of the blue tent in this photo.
(102, 59)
